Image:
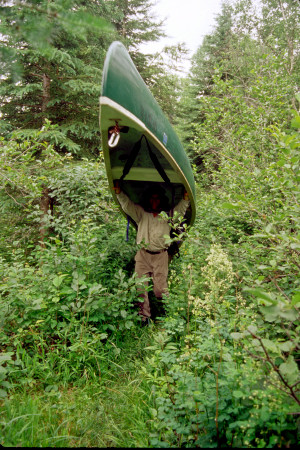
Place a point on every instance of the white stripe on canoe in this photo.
(112, 104)
(105, 101)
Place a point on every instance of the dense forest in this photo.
(221, 368)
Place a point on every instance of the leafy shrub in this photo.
(61, 301)
(211, 390)
(224, 370)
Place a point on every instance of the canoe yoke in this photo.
(174, 247)
(139, 166)
(132, 157)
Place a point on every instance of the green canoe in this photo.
(139, 144)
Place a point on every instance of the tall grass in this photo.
(111, 411)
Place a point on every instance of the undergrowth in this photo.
(107, 410)
(221, 369)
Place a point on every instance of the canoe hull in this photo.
(126, 103)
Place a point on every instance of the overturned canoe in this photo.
(139, 144)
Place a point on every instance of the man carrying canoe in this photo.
(152, 258)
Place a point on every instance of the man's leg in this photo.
(160, 267)
(142, 268)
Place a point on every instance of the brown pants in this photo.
(155, 266)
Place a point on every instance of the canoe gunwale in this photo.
(119, 109)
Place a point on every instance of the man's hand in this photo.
(117, 188)
(186, 196)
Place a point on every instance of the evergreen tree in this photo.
(59, 74)
(60, 77)
(164, 79)
(250, 40)
(136, 24)
(213, 52)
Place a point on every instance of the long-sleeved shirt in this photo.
(151, 228)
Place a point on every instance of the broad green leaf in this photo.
(286, 346)
(296, 299)
(228, 205)
(227, 357)
(289, 313)
(265, 413)
(6, 356)
(271, 313)
(252, 329)
(102, 336)
(238, 394)
(289, 370)
(270, 346)
(262, 294)
(153, 412)
(57, 281)
(123, 313)
(237, 336)
(269, 227)
(75, 285)
(295, 123)
(51, 387)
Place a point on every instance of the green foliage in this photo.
(53, 57)
(25, 166)
(221, 370)
(53, 52)
(91, 412)
(245, 50)
(225, 368)
(220, 380)
(135, 23)
(37, 23)
(162, 75)
(61, 300)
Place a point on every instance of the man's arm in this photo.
(129, 207)
(183, 205)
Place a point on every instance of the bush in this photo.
(224, 370)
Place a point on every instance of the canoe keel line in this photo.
(140, 147)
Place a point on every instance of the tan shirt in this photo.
(151, 229)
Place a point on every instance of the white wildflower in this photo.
(218, 273)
